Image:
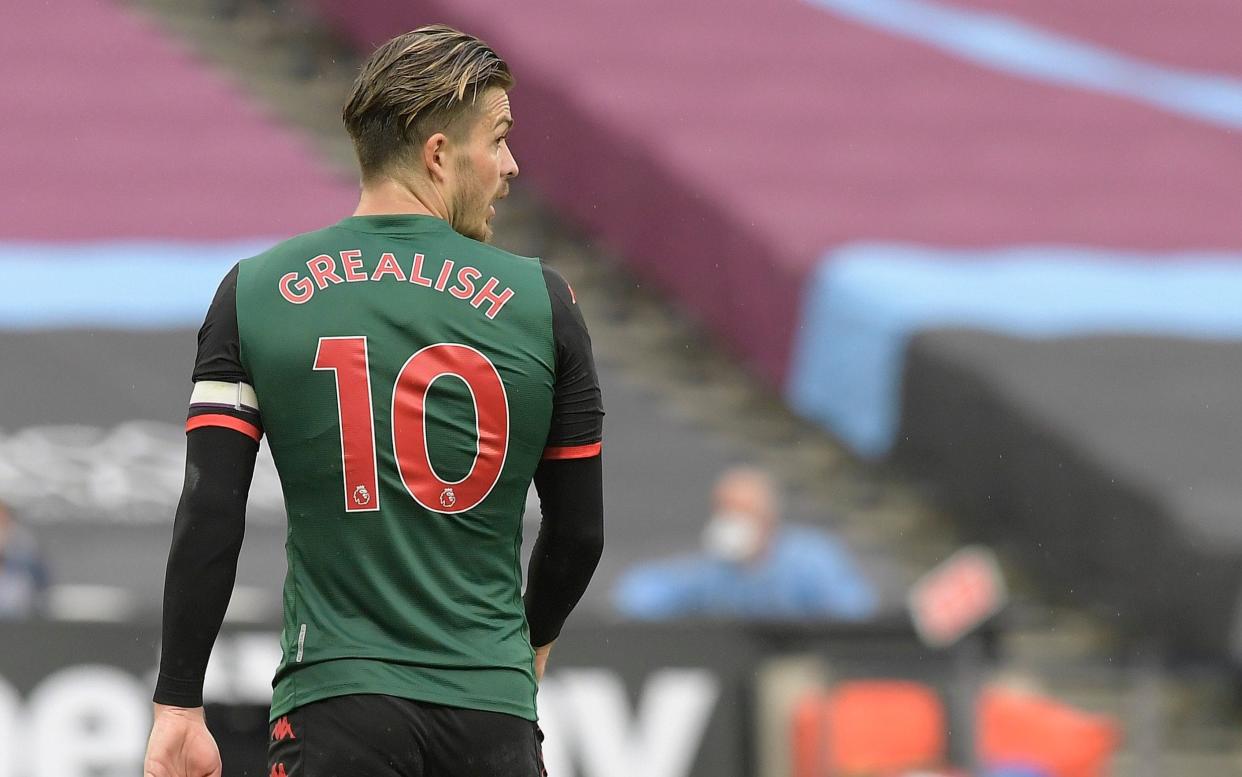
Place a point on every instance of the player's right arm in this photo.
(569, 480)
(222, 443)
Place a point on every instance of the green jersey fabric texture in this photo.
(404, 573)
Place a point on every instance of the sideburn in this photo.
(466, 198)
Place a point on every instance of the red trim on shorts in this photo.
(226, 421)
(572, 452)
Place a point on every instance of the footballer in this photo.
(412, 381)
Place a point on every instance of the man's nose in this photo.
(509, 167)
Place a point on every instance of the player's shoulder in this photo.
(553, 276)
(467, 246)
(294, 248)
(559, 289)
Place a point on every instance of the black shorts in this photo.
(385, 736)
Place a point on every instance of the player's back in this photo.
(405, 377)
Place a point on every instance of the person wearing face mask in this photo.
(751, 565)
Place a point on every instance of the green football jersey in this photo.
(409, 381)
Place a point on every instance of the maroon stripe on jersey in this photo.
(572, 451)
(205, 407)
(225, 421)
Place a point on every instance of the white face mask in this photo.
(731, 536)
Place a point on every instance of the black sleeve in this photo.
(219, 343)
(202, 564)
(219, 361)
(577, 405)
(571, 539)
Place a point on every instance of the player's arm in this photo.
(202, 562)
(222, 441)
(569, 480)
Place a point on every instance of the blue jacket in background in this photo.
(806, 573)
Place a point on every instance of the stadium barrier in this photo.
(677, 700)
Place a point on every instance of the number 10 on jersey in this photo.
(348, 358)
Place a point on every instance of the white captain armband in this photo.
(229, 405)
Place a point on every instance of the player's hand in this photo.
(180, 745)
(541, 660)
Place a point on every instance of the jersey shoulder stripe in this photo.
(564, 452)
(225, 422)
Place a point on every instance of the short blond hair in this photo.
(415, 85)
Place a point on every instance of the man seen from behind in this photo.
(412, 381)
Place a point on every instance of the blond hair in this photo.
(415, 85)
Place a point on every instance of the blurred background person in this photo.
(751, 565)
(23, 572)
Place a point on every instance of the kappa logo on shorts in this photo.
(282, 731)
(278, 771)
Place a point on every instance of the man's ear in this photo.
(434, 157)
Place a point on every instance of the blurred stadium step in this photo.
(277, 51)
(1038, 633)
(274, 51)
(1181, 764)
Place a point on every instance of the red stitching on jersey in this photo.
(573, 452)
(226, 421)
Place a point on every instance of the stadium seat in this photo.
(872, 727)
(1016, 728)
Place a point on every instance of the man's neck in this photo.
(389, 197)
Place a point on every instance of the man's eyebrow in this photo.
(505, 120)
